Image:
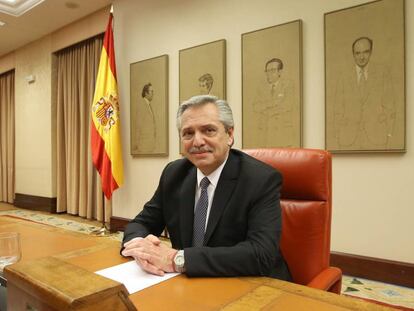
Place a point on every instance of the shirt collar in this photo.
(213, 177)
(360, 70)
(274, 85)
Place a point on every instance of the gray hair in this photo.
(224, 110)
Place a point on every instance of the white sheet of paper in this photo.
(133, 277)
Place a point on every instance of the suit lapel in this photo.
(224, 190)
(187, 197)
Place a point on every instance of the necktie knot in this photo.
(204, 183)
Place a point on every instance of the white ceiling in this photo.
(44, 18)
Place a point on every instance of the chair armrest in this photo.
(329, 279)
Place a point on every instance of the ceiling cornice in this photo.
(17, 7)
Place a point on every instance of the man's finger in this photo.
(133, 252)
(143, 243)
(146, 266)
(134, 243)
(153, 239)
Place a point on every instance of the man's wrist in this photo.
(179, 261)
(172, 256)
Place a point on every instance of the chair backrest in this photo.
(306, 200)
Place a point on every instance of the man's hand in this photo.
(151, 255)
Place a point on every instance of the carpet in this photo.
(57, 221)
(397, 296)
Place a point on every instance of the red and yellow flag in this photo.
(105, 126)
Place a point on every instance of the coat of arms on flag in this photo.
(107, 111)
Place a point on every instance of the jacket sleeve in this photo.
(259, 253)
(150, 220)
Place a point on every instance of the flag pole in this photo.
(103, 230)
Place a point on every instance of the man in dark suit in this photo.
(364, 102)
(220, 206)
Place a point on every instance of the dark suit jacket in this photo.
(244, 226)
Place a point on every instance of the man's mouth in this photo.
(200, 150)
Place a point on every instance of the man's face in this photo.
(204, 138)
(203, 85)
(362, 52)
(272, 72)
(150, 93)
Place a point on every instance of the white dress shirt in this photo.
(361, 72)
(213, 178)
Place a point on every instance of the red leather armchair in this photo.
(306, 200)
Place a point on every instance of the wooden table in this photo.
(181, 292)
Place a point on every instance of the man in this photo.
(275, 108)
(146, 130)
(220, 206)
(205, 83)
(364, 104)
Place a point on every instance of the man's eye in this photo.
(187, 135)
(210, 131)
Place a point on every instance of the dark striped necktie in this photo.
(200, 214)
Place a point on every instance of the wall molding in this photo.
(377, 269)
(36, 203)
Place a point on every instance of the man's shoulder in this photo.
(252, 166)
(178, 165)
(285, 82)
(377, 69)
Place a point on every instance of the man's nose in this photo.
(198, 139)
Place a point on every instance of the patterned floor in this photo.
(351, 286)
(68, 224)
(367, 289)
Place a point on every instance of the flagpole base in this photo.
(102, 231)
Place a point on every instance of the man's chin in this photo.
(200, 160)
(201, 155)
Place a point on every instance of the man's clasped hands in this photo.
(151, 254)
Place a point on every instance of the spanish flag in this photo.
(105, 126)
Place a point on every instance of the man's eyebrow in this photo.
(185, 128)
(208, 125)
(201, 126)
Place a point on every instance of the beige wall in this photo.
(373, 205)
(35, 107)
(7, 62)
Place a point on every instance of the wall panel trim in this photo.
(377, 269)
(36, 203)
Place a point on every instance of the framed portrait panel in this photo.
(365, 78)
(149, 107)
(272, 86)
(203, 70)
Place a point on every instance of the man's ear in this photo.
(230, 132)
